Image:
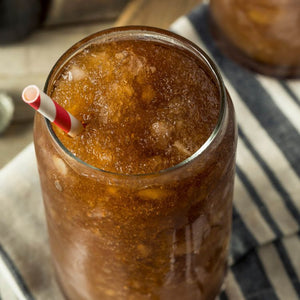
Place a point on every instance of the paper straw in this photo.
(42, 103)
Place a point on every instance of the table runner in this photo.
(265, 245)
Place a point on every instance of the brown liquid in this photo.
(160, 236)
(146, 107)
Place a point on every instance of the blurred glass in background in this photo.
(263, 35)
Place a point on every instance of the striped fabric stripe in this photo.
(233, 290)
(291, 93)
(288, 107)
(242, 238)
(292, 204)
(291, 246)
(11, 276)
(264, 146)
(292, 87)
(290, 269)
(265, 242)
(276, 272)
(271, 204)
(258, 202)
(256, 279)
(251, 214)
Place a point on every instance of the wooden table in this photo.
(157, 13)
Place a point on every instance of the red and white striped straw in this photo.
(42, 103)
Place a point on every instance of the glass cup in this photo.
(163, 235)
(263, 35)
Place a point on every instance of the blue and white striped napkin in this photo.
(265, 252)
(265, 248)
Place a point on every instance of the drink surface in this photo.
(146, 106)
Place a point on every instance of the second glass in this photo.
(263, 35)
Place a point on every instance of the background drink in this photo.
(116, 235)
(264, 35)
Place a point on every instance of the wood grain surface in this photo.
(158, 13)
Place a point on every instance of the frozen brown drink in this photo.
(138, 205)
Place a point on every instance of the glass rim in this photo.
(158, 35)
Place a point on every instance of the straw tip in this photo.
(30, 93)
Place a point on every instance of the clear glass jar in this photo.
(263, 35)
(163, 235)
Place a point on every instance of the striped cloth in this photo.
(265, 248)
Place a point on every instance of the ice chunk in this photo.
(148, 94)
(152, 69)
(121, 55)
(97, 213)
(76, 73)
(66, 76)
(143, 251)
(110, 293)
(60, 165)
(153, 194)
(121, 90)
(70, 76)
(156, 162)
(103, 113)
(112, 190)
(106, 157)
(161, 132)
(161, 129)
(176, 105)
(97, 57)
(128, 90)
(58, 185)
(182, 149)
(135, 64)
